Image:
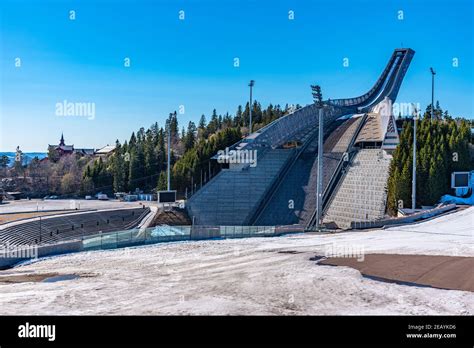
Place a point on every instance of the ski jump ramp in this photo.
(242, 193)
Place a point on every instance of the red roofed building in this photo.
(57, 151)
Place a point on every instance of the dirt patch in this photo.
(39, 277)
(443, 272)
(25, 278)
(175, 217)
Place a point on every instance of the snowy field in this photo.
(254, 276)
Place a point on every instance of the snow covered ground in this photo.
(252, 276)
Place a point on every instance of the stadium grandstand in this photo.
(70, 226)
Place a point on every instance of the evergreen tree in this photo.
(162, 182)
(118, 169)
(442, 147)
(190, 137)
(202, 122)
(239, 121)
(134, 171)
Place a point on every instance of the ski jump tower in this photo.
(259, 193)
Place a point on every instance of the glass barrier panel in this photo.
(124, 237)
(109, 240)
(91, 243)
(238, 231)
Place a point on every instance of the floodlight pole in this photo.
(413, 183)
(169, 155)
(433, 73)
(320, 169)
(318, 100)
(251, 84)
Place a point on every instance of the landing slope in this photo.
(245, 276)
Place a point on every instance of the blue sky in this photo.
(190, 62)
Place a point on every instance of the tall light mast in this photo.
(169, 155)
(413, 183)
(251, 84)
(433, 73)
(318, 101)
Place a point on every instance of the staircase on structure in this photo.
(362, 192)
